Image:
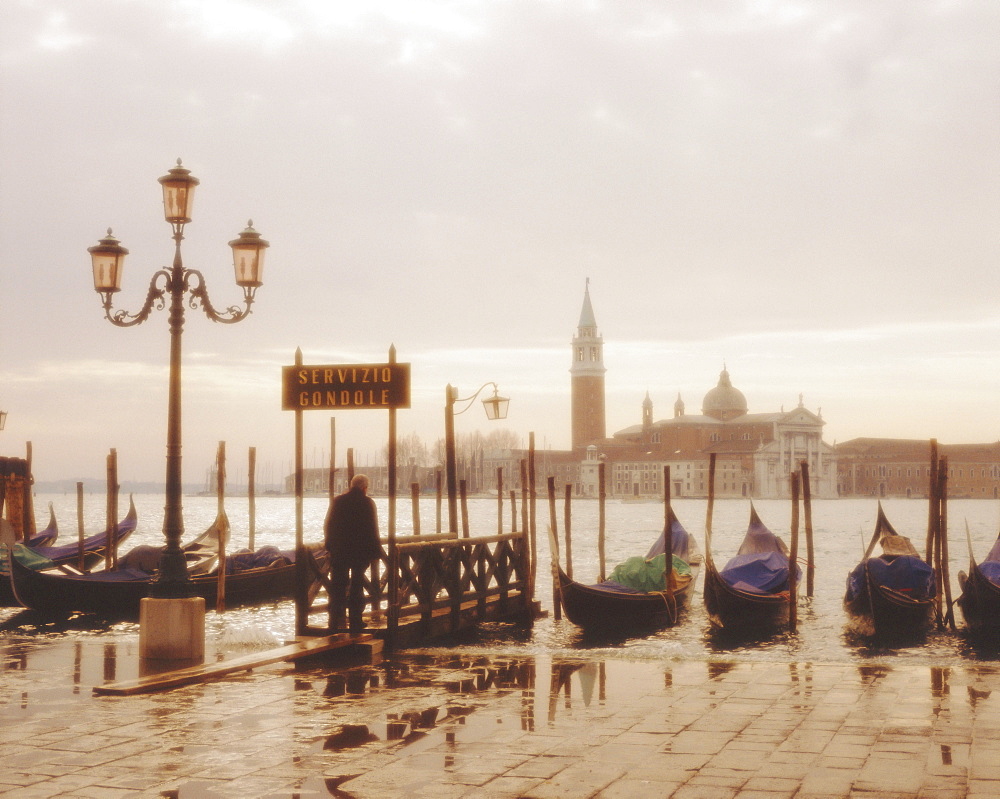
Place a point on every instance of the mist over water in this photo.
(841, 527)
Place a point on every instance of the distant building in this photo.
(755, 452)
(891, 467)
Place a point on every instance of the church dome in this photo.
(724, 401)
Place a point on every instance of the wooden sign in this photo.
(344, 386)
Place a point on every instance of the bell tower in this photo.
(587, 378)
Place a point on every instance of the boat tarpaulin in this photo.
(758, 572)
(646, 575)
(904, 573)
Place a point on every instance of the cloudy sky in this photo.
(807, 192)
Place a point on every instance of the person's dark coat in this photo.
(352, 530)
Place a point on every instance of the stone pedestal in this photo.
(172, 629)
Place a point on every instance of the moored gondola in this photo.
(44, 557)
(980, 597)
(891, 595)
(635, 595)
(751, 593)
(265, 575)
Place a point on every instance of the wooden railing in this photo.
(424, 576)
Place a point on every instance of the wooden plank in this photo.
(211, 671)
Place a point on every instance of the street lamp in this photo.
(108, 260)
(496, 408)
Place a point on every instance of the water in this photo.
(841, 527)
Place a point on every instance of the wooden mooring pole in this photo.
(554, 539)
(793, 555)
(807, 512)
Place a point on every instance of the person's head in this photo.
(360, 483)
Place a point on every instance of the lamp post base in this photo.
(172, 629)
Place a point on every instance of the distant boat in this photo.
(890, 595)
(751, 593)
(621, 603)
(980, 598)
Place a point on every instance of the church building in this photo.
(755, 452)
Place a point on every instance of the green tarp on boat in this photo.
(646, 575)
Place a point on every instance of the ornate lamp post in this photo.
(108, 260)
(496, 408)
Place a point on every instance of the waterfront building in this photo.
(892, 467)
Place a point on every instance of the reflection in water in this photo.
(717, 669)
(110, 662)
(802, 682)
(869, 674)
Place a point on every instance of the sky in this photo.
(804, 192)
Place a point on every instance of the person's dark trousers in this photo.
(356, 599)
(338, 596)
(342, 600)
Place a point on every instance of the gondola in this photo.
(751, 593)
(94, 546)
(46, 557)
(48, 536)
(264, 575)
(615, 604)
(891, 595)
(980, 597)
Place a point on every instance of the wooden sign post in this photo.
(342, 387)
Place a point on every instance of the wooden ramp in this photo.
(300, 648)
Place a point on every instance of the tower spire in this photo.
(587, 378)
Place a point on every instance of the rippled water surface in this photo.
(841, 530)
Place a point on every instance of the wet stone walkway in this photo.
(456, 725)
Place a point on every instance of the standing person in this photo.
(352, 541)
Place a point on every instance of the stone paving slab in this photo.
(520, 726)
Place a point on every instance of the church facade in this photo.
(755, 452)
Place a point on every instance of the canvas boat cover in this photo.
(643, 575)
(758, 573)
(761, 563)
(679, 539)
(905, 573)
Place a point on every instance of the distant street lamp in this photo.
(108, 260)
(496, 408)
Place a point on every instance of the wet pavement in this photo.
(447, 724)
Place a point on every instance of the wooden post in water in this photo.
(936, 563)
(415, 500)
(567, 523)
(500, 500)
(525, 528)
(532, 510)
(711, 493)
(438, 490)
(463, 494)
(949, 615)
(350, 464)
(807, 511)
(933, 508)
(252, 498)
(79, 526)
(601, 500)
(793, 555)
(668, 534)
(220, 492)
(29, 498)
(111, 549)
(513, 511)
(554, 539)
